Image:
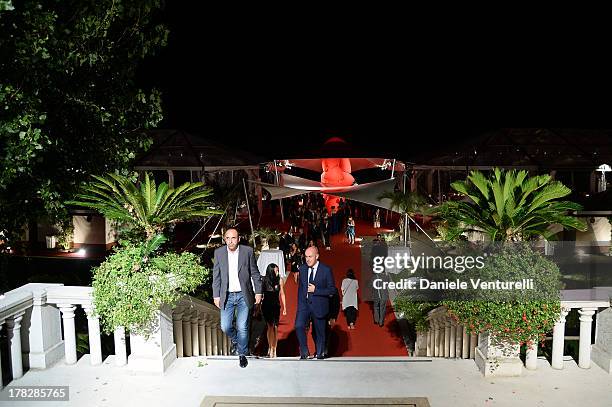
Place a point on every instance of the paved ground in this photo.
(444, 382)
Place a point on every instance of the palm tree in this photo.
(148, 210)
(509, 206)
(406, 203)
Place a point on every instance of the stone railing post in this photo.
(187, 332)
(436, 336)
(42, 345)
(13, 327)
(465, 341)
(428, 343)
(447, 334)
(473, 345)
(459, 341)
(531, 356)
(586, 322)
(209, 345)
(67, 311)
(177, 325)
(559, 340)
(453, 339)
(215, 337)
(195, 340)
(120, 348)
(93, 327)
(202, 335)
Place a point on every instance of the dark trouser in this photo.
(351, 315)
(380, 310)
(302, 319)
(327, 334)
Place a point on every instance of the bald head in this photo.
(312, 255)
(231, 239)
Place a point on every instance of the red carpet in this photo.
(367, 339)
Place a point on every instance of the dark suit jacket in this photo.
(247, 272)
(319, 299)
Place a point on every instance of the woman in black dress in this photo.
(296, 260)
(273, 285)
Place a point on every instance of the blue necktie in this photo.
(310, 280)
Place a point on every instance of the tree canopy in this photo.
(69, 102)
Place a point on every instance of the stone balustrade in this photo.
(40, 323)
(197, 329)
(446, 338)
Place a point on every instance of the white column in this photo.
(195, 342)
(465, 352)
(447, 334)
(187, 333)
(559, 340)
(453, 340)
(436, 336)
(215, 337)
(586, 322)
(428, 342)
(13, 327)
(459, 341)
(226, 343)
(67, 311)
(531, 356)
(208, 325)
(120, 348)
(93, 327)
(202, 336)
(473, 344)
(177, 324)
(220, 341)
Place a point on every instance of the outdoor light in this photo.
(82, 252)
(603, 168)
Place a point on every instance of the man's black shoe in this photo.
(243, 361)
(320, 357)
(233, 350)
(304, 357)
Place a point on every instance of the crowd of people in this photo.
(318, 299)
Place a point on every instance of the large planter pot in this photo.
(497, 360)
(154, 354)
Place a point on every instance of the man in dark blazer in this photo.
(236, 286)
(316, 285)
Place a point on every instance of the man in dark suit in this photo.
(316, 285)
(236, 286)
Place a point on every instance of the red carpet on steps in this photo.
(367, 339)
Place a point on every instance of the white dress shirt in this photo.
(232, 262)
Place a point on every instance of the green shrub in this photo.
(531, 314)
(129, 287)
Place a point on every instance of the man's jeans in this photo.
(240, 334)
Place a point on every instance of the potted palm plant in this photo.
(509, 208)
(140, 276)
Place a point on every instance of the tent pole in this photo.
(249, 210)
(281, 199)
(393, 169)
(216, 226)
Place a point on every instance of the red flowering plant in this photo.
(520, 316)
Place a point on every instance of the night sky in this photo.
(222, 83)
(264, 89)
